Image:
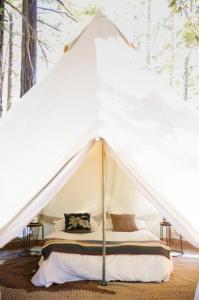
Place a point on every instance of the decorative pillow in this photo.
(59, 225)
(141, 224)
(77, 223)
(124, 222)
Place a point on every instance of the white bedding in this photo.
(62, 267)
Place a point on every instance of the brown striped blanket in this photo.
(94, 247)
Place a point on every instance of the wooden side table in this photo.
(26, 237)
(165, 227)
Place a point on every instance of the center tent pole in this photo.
(104, 218)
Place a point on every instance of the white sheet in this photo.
(141, 235)
(62, 267)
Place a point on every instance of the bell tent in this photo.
(99, 96)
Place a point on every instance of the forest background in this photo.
(33, 34)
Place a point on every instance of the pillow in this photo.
(124, 222)
(48, 219)
(94, 225)
(77, 223)
(59, 224)
(141, 224)
(109, 224)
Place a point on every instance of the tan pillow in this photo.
(124, 222)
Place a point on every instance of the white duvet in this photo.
(63, 267)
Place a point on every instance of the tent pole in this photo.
(104, 219)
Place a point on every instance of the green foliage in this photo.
(89, 10)
(174, 7)
(179, 6)
(189, 11)
(191, 33)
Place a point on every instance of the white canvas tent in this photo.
(99, 88)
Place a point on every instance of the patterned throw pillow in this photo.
(77, 223)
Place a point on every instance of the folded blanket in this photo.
(94, 247)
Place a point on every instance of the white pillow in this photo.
(94, 225)
(59, 225)
(109, 224)
(141, 224)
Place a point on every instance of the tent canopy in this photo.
(99, 88)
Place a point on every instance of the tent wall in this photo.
(43, 196)
(53, 121)
(123, 196)
(83, 193)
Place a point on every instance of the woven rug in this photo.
(122, 292)
(16, 272)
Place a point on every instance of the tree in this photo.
(148, 56)
(1, 51)
(28, 45)
(173, 49)
(186, 76)
(188, 9)
(30, 39)
(10, 61)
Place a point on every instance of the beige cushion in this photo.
(124, 222)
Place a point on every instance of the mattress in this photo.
(62, 267)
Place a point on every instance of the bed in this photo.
(59, 267)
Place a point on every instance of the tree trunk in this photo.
(173, 50)
(1, 52)
(148, 42)
(186, 76)
(186, 65)
(29, 45)
(10, 62)
(191, 6)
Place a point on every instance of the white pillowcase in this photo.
(59, 225)
(109, 224)
(141, 224)
(94, 225)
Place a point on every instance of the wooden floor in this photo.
(181, 286)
